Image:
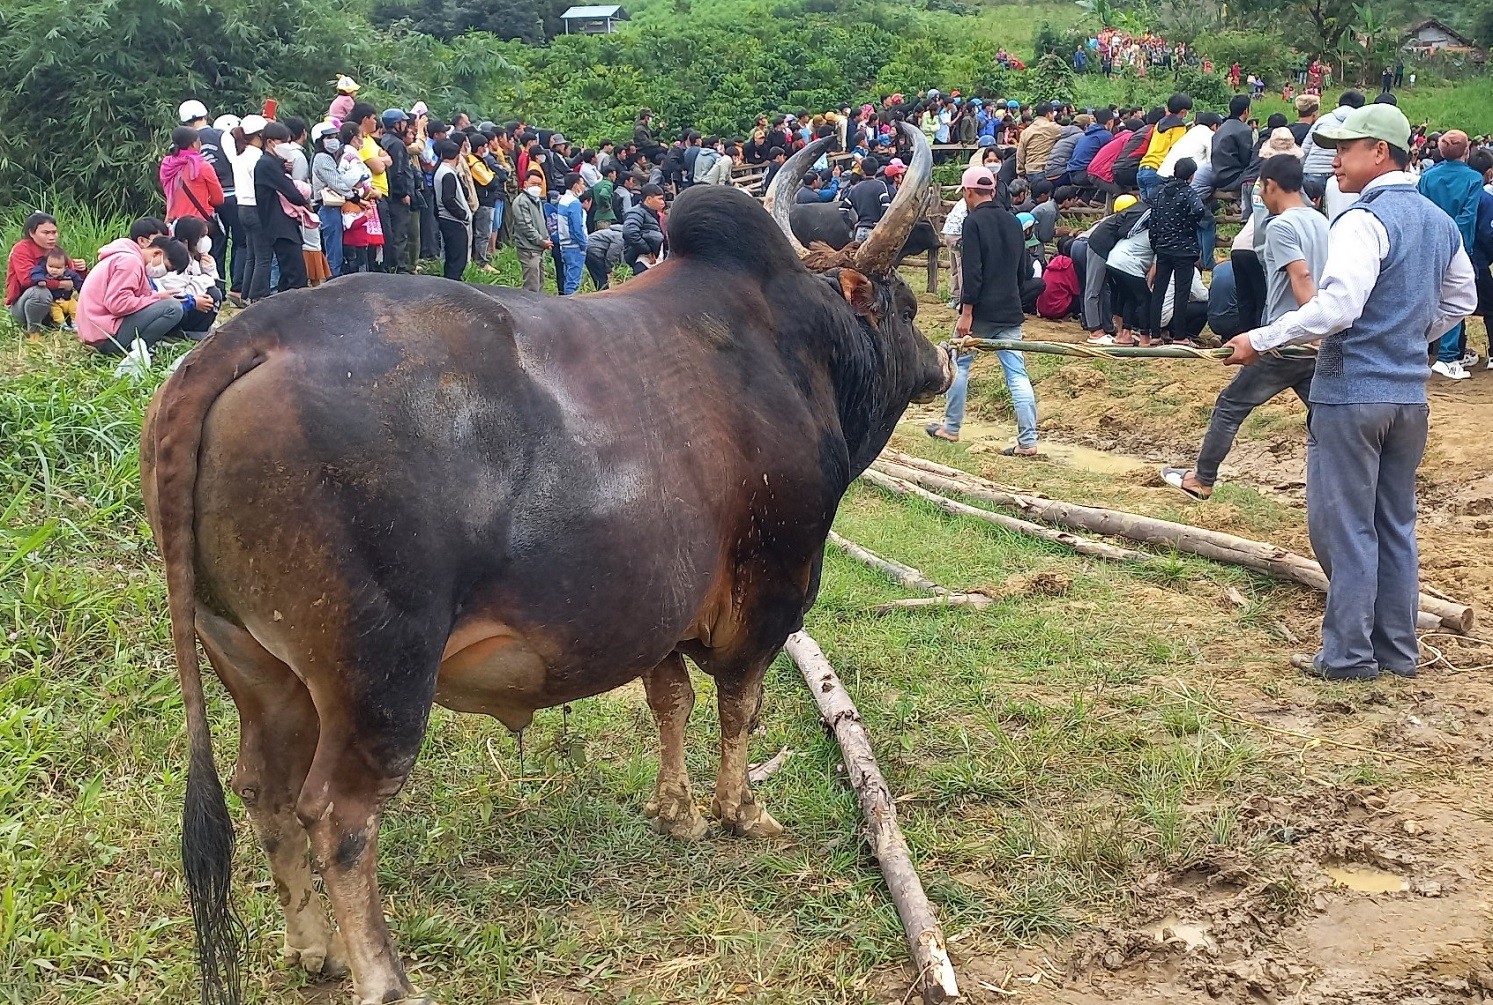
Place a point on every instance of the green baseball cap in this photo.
(1371, 122)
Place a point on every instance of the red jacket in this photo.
(185, 173)
(23, 258)
(1103, 164)
(1056, 301)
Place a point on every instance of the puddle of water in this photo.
(1367, 879)
(1196, 936)
(987, 436)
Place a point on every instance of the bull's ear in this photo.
(859, 292)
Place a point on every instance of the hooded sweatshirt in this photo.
(186, 176)
(1168, 131)
(117, 288)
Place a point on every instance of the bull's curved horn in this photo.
(784, 188)
(878, 255)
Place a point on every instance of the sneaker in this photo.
(1451, 371)
(1471, 358)
(1101, 340)
(1309, 666)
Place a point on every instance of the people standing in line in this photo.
(485, 181)
(370, 128)
(190, 184)
(332, 189)
(571, 223)
(248, 150)
(530, 234)
(294, 154)
(1457, 188)
(275, 196)
(1396, 279)
(990, 307)
(452, 210)
(402, 236)
(1176, 214)
(1295, 256)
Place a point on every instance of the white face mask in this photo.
(535, 191)
(155, 271)
(332, 145)
(204, 245)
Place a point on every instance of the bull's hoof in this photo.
(749, 820)
(675, 815)
(327, 962)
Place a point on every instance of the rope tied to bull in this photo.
(1085, 351)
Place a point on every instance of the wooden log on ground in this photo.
(1215, 545)
(1095, 549)
(909, 577)
(925, 938)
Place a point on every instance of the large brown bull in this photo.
(394, 491)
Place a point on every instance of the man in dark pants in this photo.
(1295, 253)
(403, 237)
(1395, 280)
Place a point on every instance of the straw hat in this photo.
(1280, 142)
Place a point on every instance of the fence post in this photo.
(933, 269)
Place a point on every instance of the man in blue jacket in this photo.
(571, 229)
(1457, 188)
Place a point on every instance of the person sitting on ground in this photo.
(643, 231)
(1044, 211)
(56, 275)
(30, 305)
(196, 277)
(603, 254)
(119, 304)
(1059, 299)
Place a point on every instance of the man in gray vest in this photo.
(1395, 280)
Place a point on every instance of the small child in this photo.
(56, 274)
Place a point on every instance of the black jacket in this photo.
(642, 234)
(1115, 228)
(271, 180)
(1176, 211)
(994, 251)
(403, 177)
(870, 199)
(1233, 151)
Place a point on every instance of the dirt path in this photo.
(1377, 892)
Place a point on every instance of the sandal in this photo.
(1016, 452)
(1177, 479)
(936, 430)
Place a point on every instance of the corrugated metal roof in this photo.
(608, 10)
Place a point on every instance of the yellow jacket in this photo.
(1168, 131)
(481, 173)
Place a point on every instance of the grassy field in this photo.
(1048, 751)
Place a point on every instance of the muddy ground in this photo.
(1376, 893)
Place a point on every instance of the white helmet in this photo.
(226, 123)
(191, 111)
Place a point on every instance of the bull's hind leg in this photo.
(739, 696)
(373, 698)
(672, 698)
(278, 729)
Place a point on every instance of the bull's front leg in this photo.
(739, 695)
(671, 696)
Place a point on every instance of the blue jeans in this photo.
(1202, 183)
(1453, 345)
(331, 237)
(574, 260)
(1023, 398)
(1148, 181)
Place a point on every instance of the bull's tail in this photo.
(207, 835)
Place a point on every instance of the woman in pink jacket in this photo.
(118, 304)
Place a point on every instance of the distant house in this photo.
(1435, 37)
(593, 20)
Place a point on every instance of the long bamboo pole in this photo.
(1086, 351)
(1219, 547)
(909, 577)
(925, 939)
